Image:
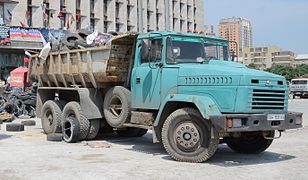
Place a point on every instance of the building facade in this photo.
(238, 31)
(261, 57)
(301, 59)
(105, 15)
(283, 58)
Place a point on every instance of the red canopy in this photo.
(18, 77)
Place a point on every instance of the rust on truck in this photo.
(88, 68)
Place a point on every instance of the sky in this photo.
(275, 22)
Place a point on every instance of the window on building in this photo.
(181, 25)
(157, 21)
(117, 7)
(78, 14)
(62, 14)
(174, 22)
(106, 24)
(189, 25)
(28, 13)
(258, 49)
(105, 7)
(128, 11)
(92, 14)
(117, 27)
(2, 19)
(181, 7)
(129, 28)
(46, 13)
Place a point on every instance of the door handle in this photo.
(138, 80)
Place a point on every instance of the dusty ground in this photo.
(28, 155)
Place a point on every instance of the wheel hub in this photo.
(187, 136)
(67, 130)
(115, 106)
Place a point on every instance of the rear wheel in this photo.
(186, 136)
(72, 110)
(71, 130)
(251, 143)
(51, 117)
(94, 128)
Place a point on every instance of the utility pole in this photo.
(167, 15)
(140, 16)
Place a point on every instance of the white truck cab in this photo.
(299, 87)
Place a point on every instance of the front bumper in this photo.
(257, 122)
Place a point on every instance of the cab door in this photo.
(146, 74)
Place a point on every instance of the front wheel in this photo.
(251, 143)
(187, 137)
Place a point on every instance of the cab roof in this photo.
(167, 33)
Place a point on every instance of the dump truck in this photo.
(181, 86)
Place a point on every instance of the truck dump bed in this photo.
(88, 68)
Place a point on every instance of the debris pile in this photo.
(17, 104)
(79, 40)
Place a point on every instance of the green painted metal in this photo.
(215, 86)
(206, 105)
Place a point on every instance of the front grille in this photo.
(268, 100)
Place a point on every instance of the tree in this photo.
(252, 66)
(289, 72)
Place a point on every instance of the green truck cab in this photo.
(181, 86)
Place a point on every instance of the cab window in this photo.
(151, 50)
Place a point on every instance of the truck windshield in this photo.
(299, 82)
(194, 50)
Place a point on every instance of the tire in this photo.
(18, 107)
(117, 106)
(186, 136)
(253, 143)
(94, 128)
(73, 110)
(28, 123)
(32, 113)
(51, 117)
(56, 137)
(132, 132)
(15, 127)
(9, 108)
(69, 40)
(71, 130)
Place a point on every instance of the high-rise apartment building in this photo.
(211, 51)
(283, 58)
(267, 57)
(105, 15)
(261, 57)
(238, 31)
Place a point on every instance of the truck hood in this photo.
(238, 73)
